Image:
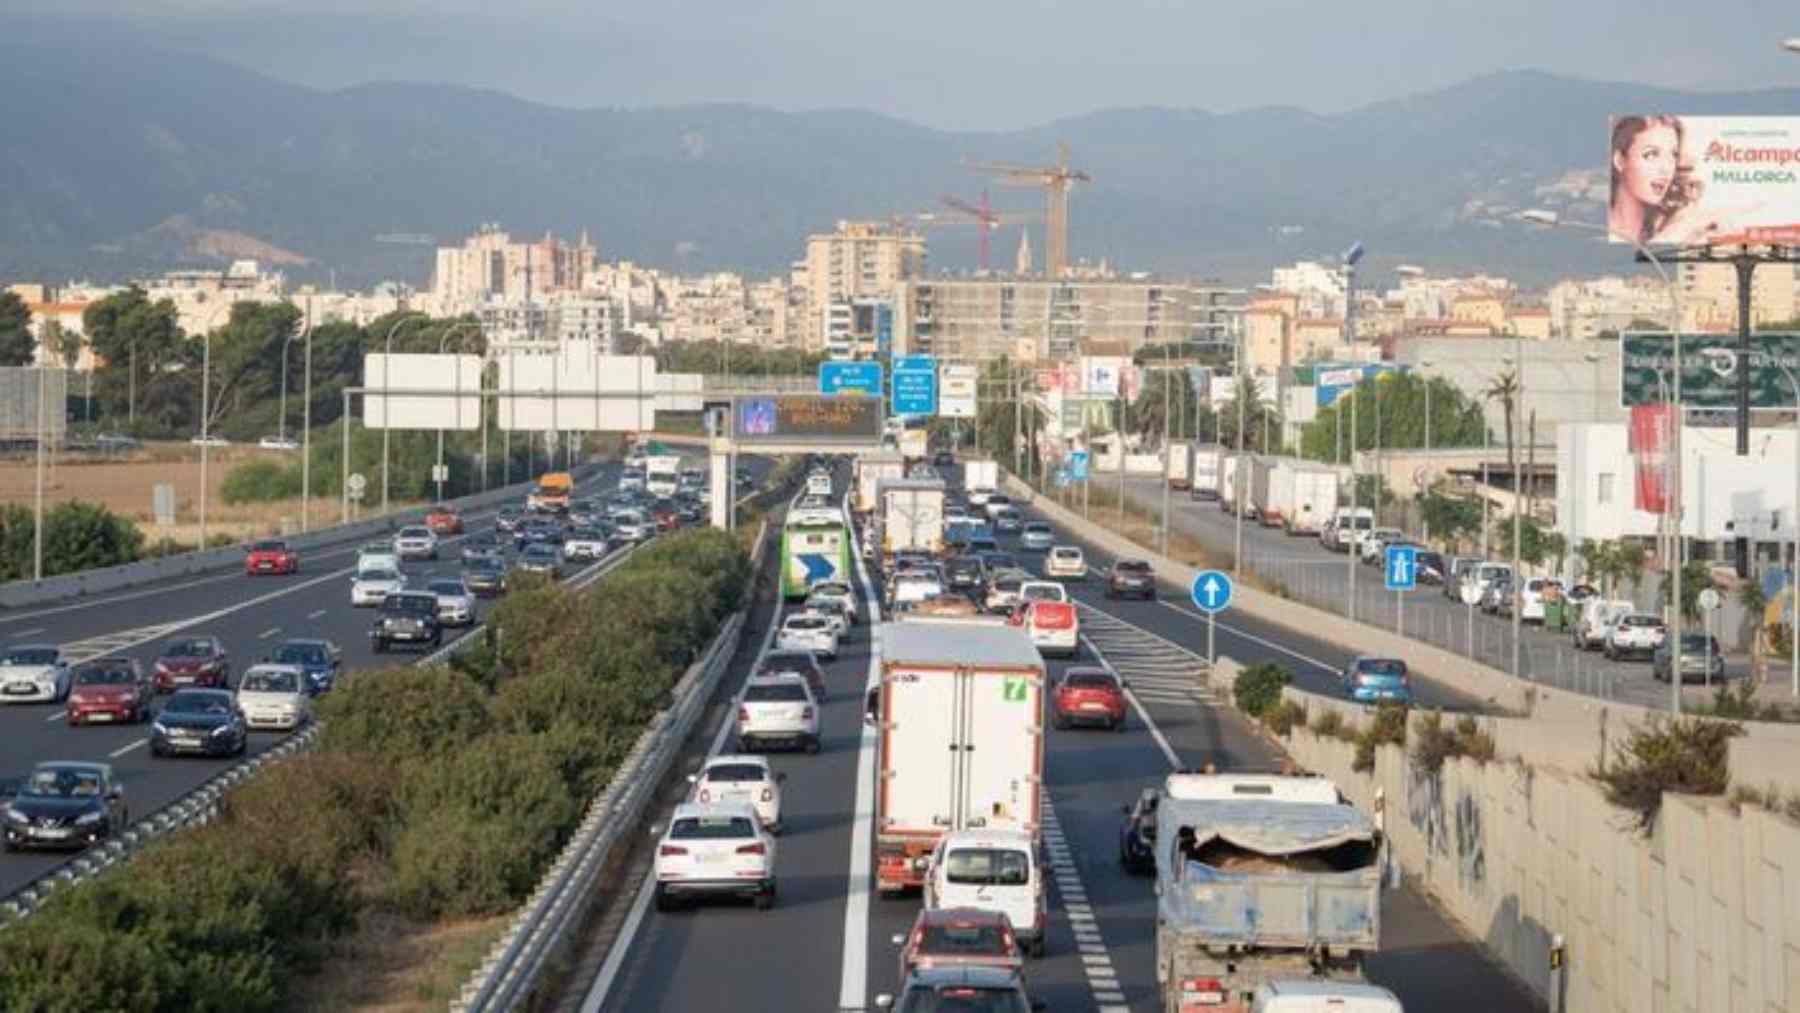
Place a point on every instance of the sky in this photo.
(971, 64)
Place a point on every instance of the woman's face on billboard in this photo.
(1647, 167)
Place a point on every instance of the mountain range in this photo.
(118, 158)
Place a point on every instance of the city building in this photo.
(1584, 308)
(1318, 289)
(1709, 293)
(1564, 381)
(490, 264)
(859, 260)
(981, 319)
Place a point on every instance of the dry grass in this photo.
(398, 966)
(125, 485)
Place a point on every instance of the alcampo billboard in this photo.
(1704, 180)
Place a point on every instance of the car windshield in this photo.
(964, 938)
(1134, 566)
(188, 649)
(300, 654)
(410, 603)
(415, 532)
(1037, 528)
(711, 828)
(987, 867)
(1696, 642)
(269, 681)
(1386, 668)
(31, 656)
(1066, 553)
(378, 575)
(106, 676)
(1644, 621)
(540, 553)
(270, 547)
(63, 782)
(449, 587)
(806, 623)
(1043, 593)
(198, 703)
(735, 772)
(775, 692)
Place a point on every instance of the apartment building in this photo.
(1709, 294)
(857, 261)
(490, 263)
(980, 319)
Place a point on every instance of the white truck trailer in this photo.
(981, 474)
(1314, 500)
(912, 515)
(1178, 464)
(870, 470)
(1205, 481)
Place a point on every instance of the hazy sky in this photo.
(974, 63)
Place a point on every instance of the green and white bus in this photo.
(814, 549)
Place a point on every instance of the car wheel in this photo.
(243, 745)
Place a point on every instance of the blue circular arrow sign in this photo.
(1212, 591)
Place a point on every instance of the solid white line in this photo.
(266, 634)
(1143, 715)
(1253, 638)
(58, 716)
(29, 632)
(853, 986)
(115, 754)
(315, 614)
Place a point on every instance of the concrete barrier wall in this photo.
(1702, 916)
(1559, 728)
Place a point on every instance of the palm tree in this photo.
(1504, 388)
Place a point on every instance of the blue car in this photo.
(319, 659)
(1378, 680)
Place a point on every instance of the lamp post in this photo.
(281, 413)
(306, 426)
(206, 413)
(438, 471)
(1552, 219)
(37, 526)
(1237, 487)
(1517, 361)
(1425, 522)
(387, 430)
(1794, 568)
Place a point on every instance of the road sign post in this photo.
(1400, 565)
(1212, 593)
(1710, 601)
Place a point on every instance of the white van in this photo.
(991, 870)
(1321, 995)
(1596, 615)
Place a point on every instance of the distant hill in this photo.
(115, 158)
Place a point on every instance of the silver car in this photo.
(1037, 536)
(456, 603)
(416, 543)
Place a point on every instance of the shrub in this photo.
(1259, 687)
(398, 713)
(1388, 728)
(260, 481)
(1329, 724)
(1282, 717)
(1433, 742)
(1686, 755)
(77, 536)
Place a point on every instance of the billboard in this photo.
(441, 391)
(788, 417)
(1652, 435)
(1704, 180)
(1331, 380)
(19, 415)
(1708, 370)
(956, 391)
(1102, 374)
(575, 391)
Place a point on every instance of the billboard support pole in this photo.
(1746, 271)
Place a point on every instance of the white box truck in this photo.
(1178, 465)
(1315, 500)
(662, 475)
(960, 738)
(870, 470)
(1271, 489)
(982, 474)
(912, 516)
(1205, 481)
(1234, 469)
(915, 444)
(1260, 878)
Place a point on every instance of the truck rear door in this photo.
(920, 749)
(999, 721)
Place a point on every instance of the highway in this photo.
(249, 614)
(1320, 577)
(827, 943)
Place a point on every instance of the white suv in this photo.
(741, 778)
(836, 594)
(809, 631)
(715, 850)
(1638, 633)
(416, 543)
(1065, 562)
(778, 709)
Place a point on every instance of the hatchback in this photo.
(959, 937)
(1378, 680)
(741, 778)
(1089, 696)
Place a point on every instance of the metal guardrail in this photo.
(563, 897)
(199, 806)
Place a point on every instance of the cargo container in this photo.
(1314, 501)
(1205, 481)
(1178, 465)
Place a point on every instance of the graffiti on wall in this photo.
(1425, 808)
(1471, 844)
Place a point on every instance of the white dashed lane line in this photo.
(1096, 962)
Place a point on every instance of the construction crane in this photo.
(1056, 181)
(983, 215)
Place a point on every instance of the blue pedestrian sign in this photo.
(1212, 591)
(915, 385)
(1078, 465)
(857, 377)
(1402, 567)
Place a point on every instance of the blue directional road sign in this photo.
(860, 377)
(1078, 465)
(1212, 591)
(1402, 567)
(915, 385)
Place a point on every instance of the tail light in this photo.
(671, 849)
(743, 714)
(705, 795)
(806, 713)
(752, 849)
(768, 794)
(1203, 991)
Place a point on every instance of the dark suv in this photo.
(407, 618)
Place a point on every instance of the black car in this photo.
(997, 560)
(690, 512)
(481, 545)
(66, 805)
(508, 518)
(205, 722)
(965, 573)
(408, 617)
(1131, 577)
(1430, 567)
(538, 531)
(485, 578)
(1137, 835)
(319, 659)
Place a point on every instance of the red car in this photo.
(1089, 696)
(193, 661)
(666, 518)
(959, 937)
(444, 520)
(272, 556)
(109, 690)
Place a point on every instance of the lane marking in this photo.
(266, 634)
(1253, 638)
(316, 613)
(1096, 962)
(853, 987)
(139, 744)
(58, 716)
(1162, 743)
(29, 632)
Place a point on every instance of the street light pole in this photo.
(1794, 567)
(281, 413)
(206, 414)
(37, 541)
(1168, 449)
(1237, 492)
(1355, 550)
(445, 340)
(306, 428)
(1425, 475)
(387, 428)
(1518, 491)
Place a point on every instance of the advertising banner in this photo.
(1652, 432)
(809, 417)
(1332, 380)
(1704, 180)
(1100, 375)
(1709, 368)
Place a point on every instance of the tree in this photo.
(64, 342)
(16, 343)
(1259, 416)
(1393, 415)
(141, 345)
(246, 357)
(1696, 576)
(1534, 543)
(1449, 518)
(1504, 388)
(1173, 388)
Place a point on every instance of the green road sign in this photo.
(1708, 370)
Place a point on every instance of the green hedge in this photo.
(436, 792)
(77, 536)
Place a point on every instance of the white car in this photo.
(1531, 599)
(1037, 536)
(584, 543)
(979, 497)
(632, 526)
(1638, 633)
(370, 588)
(1065, 562)
(715, 850)
(809, 631)
(996, 503)
(1043, 590)
(991, 869)
(630, 480)
(913, 588)
(1003, 590)
(274, 696)
(34, 673)
(829, 611)
(836, 593)
(377, 557)
(456, 603)
(778, 709)
(741, 778)
(1374, 543)
(210, 440)
(416, 543)
(278, 443)
(1054, 628)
